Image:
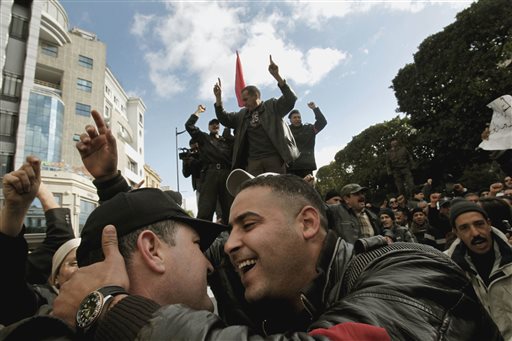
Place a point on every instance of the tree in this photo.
(455, 74)
(363, 160)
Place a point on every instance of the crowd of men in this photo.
(284, 263)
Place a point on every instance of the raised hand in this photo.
(200, 109)
(312, 105)
(111, 271)
(273, 68)
(217, 89)
(98, 149)
(19, 189)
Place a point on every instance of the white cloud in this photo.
(316, 13)
(141, 24)
(197, 41)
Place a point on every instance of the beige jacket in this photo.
(497, 297)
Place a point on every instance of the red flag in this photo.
(239, 81)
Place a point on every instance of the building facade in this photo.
(52, 78)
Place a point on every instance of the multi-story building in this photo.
(51, 79)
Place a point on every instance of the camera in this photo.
(185, 153)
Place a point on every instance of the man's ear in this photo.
(151, 250)
(310, 219)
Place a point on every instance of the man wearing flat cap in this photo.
(352, 220)
(215, 157)
(484, 253)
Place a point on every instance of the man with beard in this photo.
(483, 252)
(352, 220)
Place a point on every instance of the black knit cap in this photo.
(389, 212)
(129, 211)
(331, 194)
(460, 206)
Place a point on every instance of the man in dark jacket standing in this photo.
(399, 164)
(263, 141)
(216, 161)
(305, 136)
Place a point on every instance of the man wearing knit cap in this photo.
(392, 231)
(333, 197)
(484, 253)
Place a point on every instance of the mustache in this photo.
(478, 239)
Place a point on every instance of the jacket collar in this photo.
(500, 244)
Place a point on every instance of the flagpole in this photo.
(177, 171)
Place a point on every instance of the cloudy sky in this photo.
(340, 54)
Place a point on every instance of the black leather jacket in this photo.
(412, 290)
(272, 122)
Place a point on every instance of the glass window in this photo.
(11, 87)
(6, 164)
(141, 118)
(19, 27)
(84, 85)
(7, 123)
(43, 136)
(85, 61)
(83, 109)
(86, 208)
(49, 50)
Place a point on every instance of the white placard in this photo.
(500, 137)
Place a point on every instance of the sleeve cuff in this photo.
(108, 189)
(126, 319)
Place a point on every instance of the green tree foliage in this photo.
(455, 74)
(363, 160)
(444, 94)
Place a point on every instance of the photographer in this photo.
(215, 156)
(192, 165)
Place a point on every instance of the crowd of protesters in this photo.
(282, 263)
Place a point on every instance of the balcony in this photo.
(54, 23)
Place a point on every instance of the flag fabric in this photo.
(239, 81)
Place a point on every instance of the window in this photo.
(141, 118)
(83, 109)
(49, 50)
(19, 28)
(6, 164)
(132, 165)
(84, 85)
(11, 87)
(107, 90)
(7, 123)
(85, 61)
(86, 208)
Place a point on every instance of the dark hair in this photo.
(165, 230)
(294, 111)
(497, 210)
(252, 90)
(297, 192)
(417, 190)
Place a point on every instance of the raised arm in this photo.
(190, 125)
(58, 231)
(20, 188)
(320, 121)
(286, 102)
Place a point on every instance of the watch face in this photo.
(89, 309)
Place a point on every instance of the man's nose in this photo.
(234, 241)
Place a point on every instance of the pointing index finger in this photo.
(220, 84)
(271, 61)
(100, 123)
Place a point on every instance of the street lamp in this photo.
(177, 153)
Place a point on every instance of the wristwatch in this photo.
(93, 306)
